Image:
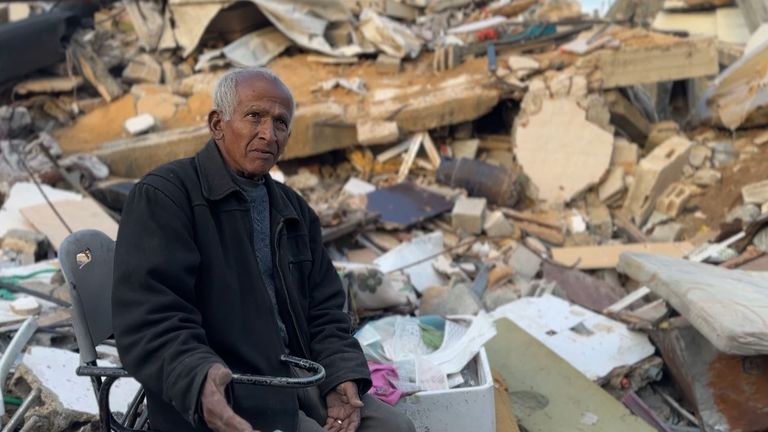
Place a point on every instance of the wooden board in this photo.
(562, 152)
(85, 214)
(729, 307)
(607, 256)
(547, 393)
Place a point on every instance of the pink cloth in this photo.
(383, 388)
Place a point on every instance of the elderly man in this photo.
(218, 268)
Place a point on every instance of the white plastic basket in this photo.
(455, 410)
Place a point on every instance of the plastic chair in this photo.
(86, 259)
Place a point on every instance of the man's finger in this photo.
(353, 399)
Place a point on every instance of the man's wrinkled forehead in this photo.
(244, 89)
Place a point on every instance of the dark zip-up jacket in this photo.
(188, 293)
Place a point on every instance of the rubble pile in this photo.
(589, 185)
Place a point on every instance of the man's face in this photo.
(255, 137)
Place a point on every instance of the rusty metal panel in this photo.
(729, 393)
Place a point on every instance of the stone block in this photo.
(699, 156)
(386, 64)
(755, 193)
(140, 124)
(662, 167)
(496, 225)
(468, 214)
(143, 69)
(746, 213)
(372, 132)
(706, 177)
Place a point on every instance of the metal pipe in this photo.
(10, 355)
(18, 416)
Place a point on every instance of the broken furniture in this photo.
(86, 259)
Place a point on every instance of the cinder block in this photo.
(674, 199)
(468, 214)
(496, 225)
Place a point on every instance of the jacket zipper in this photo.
(285, 290)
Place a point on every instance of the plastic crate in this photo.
(455, 410)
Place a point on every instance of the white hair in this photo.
(225, 92)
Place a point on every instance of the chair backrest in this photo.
(86, 259)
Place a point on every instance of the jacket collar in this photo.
(216, 181)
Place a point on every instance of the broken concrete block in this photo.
(761, 240)
(706, 177)
(67, 400)
(746, 213)
(162, 105)
(627, 117)
(442, 301)
(755, 193)
(143, 69)
(525, 263)
(699, 155)
(561, 152)
(468, 214)
(625, 153)
(674, 199)
(663, 166)
(25, 306)
(140, 124)
(354, 186)
(523, 66)
(670, 232)
(493, 299)
(661, 132)
(496, 225)
(377, 132)
(724, 153)
(26, 242)
(465, 148)
(613, 184)
(386, 64)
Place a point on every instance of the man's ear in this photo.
(215, 125)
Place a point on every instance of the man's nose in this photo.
(266, 129)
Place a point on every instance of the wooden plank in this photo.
(729, 307)
(607, 256)
(413, 149)
(548, 393)
(506, 421)
(626, 301)
(79, 215)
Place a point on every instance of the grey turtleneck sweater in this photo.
(258, 199)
